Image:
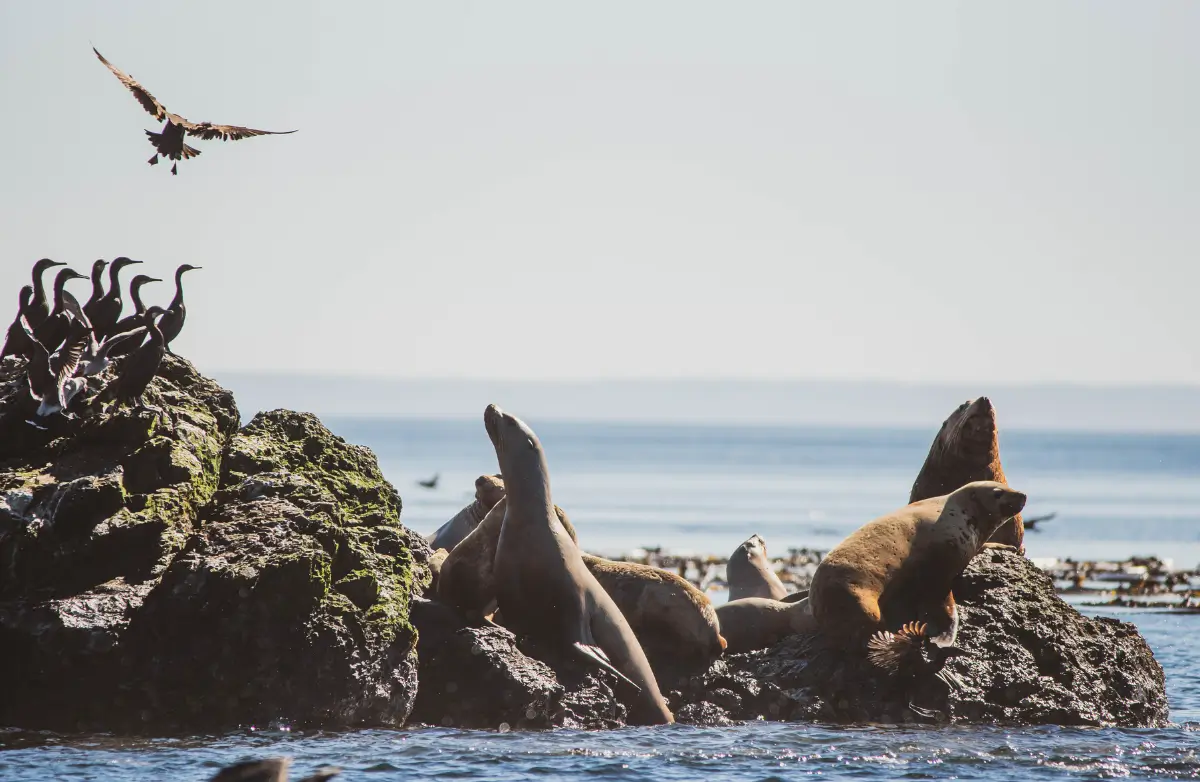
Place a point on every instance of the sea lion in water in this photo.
(488, 491)
(673, 620)
(899, 568)
(966, 449)
(749, 573)
(542, 585)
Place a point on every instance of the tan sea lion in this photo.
(749, 573)
(542, 585)
(488, 491)
(751, 623)
(673, 620)
(899, 568)
(966, 449)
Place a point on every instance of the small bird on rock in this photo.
(910, 656)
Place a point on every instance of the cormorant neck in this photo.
(134, 293)
(114, 284)
(59, 284)
(175, 302)
(156, 335)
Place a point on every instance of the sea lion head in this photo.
(970, 429)
(518, 449)
(985, 505)
(488, 490)
(752, 549)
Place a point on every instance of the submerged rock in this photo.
(1033, 659)
(171, 572)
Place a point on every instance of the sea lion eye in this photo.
(996, 492)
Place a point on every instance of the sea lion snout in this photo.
(1010, 501)
(492, 416)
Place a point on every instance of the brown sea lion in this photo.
(542, 585)
(674, 621)
(966, 449)
(749, 573)
(899, 568)
(488, 491)
(751, 623)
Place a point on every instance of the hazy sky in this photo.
(913, 191)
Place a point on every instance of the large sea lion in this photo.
(488, 491)
(749, 573)
(966, 449)
(899, 568)
(673, 620)
(542, 585)
(893, 570)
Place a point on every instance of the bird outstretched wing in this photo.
(209, 131)
(891, 651)
(148, 101)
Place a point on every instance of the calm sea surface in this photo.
(704, 490)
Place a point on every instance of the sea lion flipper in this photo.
(596, 655)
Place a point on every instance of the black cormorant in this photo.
(17, 341)
(130, 321)
(269, 770)
(51, 375)
(56, 325)
(171, 322)
(169, 143)
(911, 656)
(97, 282)
(139, 369)
(105, 313)
(95, 357)
(431, 483)
(39, 309)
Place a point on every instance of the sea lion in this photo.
(542, 585)
(899, 568)
(749, 573)
(674, 621)
(466, 579)
(488, 491)
(751, 623)
(966, 449)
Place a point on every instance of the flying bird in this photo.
(431, 483)
(170, 142)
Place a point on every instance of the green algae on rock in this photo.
(163, 573)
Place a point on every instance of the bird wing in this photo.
(208, 131)
(889, 650)
(113, 340)
(71, 305)
(65, 360)
(148, 101)
(38, 369)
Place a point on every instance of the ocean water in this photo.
(704, 490)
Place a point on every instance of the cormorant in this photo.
(39, 309)
(127, 323)
(169, 143)
(140, 368)
(55, 327)
(1031, 525)
(171, 322)
(97, 282)
(95, 357)
(431, 483)
(911, 655)
(269, 770)
(105, 313)
(17, 341)
(50, 375)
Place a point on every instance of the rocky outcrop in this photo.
(1033, 659)
(164, 572)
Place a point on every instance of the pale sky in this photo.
(925, 191)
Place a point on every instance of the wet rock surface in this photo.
(1033, 659)
(165, 572)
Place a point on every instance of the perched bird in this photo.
(170, 142)
(17, 341)
(431, 483)
(140, 368)
(269, 770)
(51, 375)
(105, 313)
(171, 322)
(53, 330)
(911, 656)
(39, 309)
(95, 358)
(139, 309)
(97, 282)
